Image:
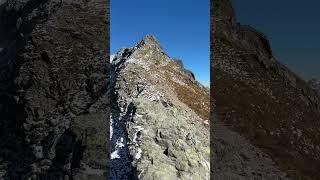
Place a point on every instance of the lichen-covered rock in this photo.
(172, 140)
(157, 133)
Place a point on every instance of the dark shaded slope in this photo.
(58, 121)
(262, 99)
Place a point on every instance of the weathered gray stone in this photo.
(156, 121)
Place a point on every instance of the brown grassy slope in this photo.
(190, 93)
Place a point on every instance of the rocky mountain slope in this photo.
(315, 85)
(261, 99)
(54, 118)
(158, 130)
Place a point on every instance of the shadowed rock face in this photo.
(53, 110)
(158, 131)
(7, 60)
(315, 85)
(263, 100)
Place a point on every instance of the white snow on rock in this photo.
(139, 128)
(111, 57)
(115, 155)
(138, 155)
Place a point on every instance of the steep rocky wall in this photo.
(224, 10)
(54, 115)
(264, 100)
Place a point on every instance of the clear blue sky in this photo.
(293, 28)
(182, 28)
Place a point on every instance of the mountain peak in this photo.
(147, 52)
(150, 38)
(150, 41)
(144, 80)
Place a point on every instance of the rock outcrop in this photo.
(315, 85)
(158, 130)
(261, 99)
(54, 70)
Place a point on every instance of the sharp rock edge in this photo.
(155, 134)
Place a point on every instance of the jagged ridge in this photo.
(154, 131)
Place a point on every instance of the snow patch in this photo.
(111, 58)
(111, 129)
(131, 60)
(139, 128)
(120, 144)
(138, 155)
(115, 155)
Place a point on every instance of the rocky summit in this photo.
(158, 129)
(260, 102)
(54, 117)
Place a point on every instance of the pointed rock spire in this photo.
(149, 40)
(149, 49)
(147, 52)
